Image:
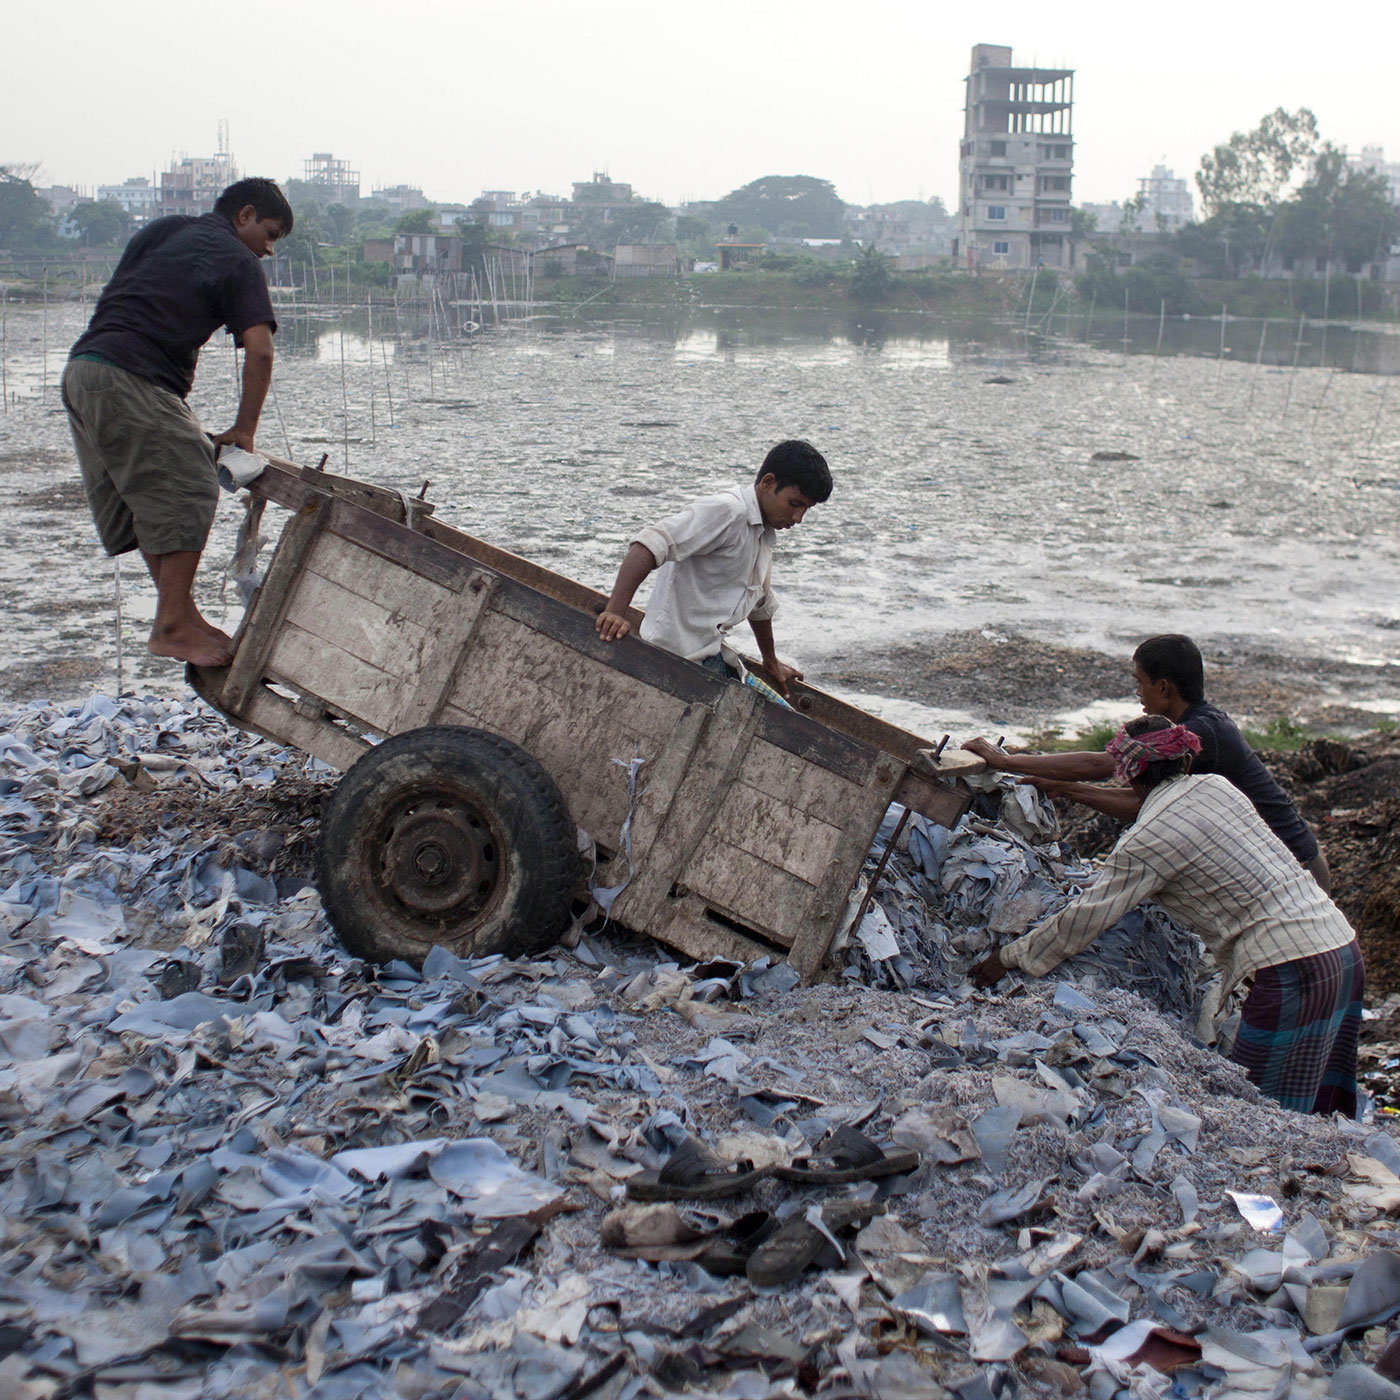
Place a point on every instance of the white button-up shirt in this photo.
(1201, 851)
(715, 558)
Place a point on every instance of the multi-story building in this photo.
(401, 198)
(602, 189)
(137, 197)
(1167, 204)
(1016, 164)
(193, 183)
(335, 178)
(61, 199)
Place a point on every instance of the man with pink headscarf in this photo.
(1200, 850)
(1170, 678)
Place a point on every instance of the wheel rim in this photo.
(439, 858)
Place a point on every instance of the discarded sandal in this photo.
(694, 1173)
(659, 1232)
(847, 1155)
(801, 1240)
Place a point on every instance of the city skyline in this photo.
(466, 97)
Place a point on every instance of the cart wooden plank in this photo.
(304, 662)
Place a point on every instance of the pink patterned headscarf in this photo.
(1132, 753)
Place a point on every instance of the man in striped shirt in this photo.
(1170, 677)
(1200, 850)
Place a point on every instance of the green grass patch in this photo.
(1281, 734)
(1094, 738)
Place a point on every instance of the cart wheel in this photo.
(451, 837)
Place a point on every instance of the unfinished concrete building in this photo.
(339, 183)
(1016, 164)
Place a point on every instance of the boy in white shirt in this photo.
(715, 560)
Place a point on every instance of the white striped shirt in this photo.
(1200, 850)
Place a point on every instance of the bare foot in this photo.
(185, 642)
(197, 619)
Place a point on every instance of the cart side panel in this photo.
(777, 868)
(749, 889)
(381, 636)
(385, 583)
(776, 832)
(363, 634)
(307, 663)
(573, 713)
(806, 787)
(509, 655)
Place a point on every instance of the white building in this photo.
(1169, 204)
(137, 196)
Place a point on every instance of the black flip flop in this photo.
(694, 1173)
(848, 1155)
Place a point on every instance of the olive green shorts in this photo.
(147, 466)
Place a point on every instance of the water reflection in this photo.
(336, 346)
(824, 337)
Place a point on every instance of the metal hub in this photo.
(440, 859)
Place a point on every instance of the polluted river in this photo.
(238, 1161)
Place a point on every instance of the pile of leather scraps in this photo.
(238, 1163)
(945, 898)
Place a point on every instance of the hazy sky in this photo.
(683, 101)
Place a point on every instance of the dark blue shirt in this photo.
(178, 281)
(1224, 750)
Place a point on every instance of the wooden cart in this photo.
(748, 824)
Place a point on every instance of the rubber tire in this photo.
(531, 842)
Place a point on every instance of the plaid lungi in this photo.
(1298, 1031)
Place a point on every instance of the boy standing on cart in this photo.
(147, 463)
(715, 561)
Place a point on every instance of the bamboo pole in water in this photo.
(432, 390)
(1356, 335)
(398, 348)
(449, 331)
(369, 314)
(1293, 374)
(1161, 326)
(1326, 309)
(277, 409)
(44, 385)
(1380, 404)
(436, 338)
(4, 316)
(1030, 300)
(344, 403)
(1220, 358)
(1089, 319)
(1258, 364)
(1325, 388)
(388, 382)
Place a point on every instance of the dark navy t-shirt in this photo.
(1225, 751)
(178, 281)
